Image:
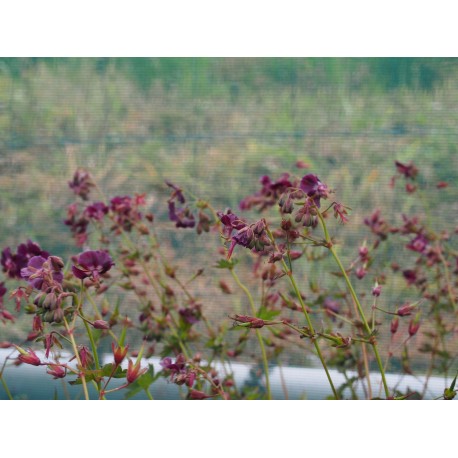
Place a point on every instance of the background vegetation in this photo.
(214, 126)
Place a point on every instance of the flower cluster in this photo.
(253, 236)
(179, 371)
(13, 263)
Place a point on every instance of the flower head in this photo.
(43, 273)
(269, 193)
(81, 183)
(92, 264)
(96, 211)
(409, 171)
(314, 188)
(13, 262)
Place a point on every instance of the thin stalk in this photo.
(307, 316)
(5, 386)
(312, 330)
(258, 333)
(77, 356)
(355, 299)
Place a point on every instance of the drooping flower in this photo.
(314, 188)
(92, 264)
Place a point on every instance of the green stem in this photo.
(355, 299)
(258, 333)
(307, 316)
(77, 356)
(310, 325)
(5, 386)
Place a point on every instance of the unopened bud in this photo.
(100, 324)
(394, 325)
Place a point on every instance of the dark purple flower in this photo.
(126, 211)
(96, 211)
(181, 216)
(13, 263)
(314, 188)
(179, 373)
(177, 193)
(81, 184)
(253, 237)
(269, 194)
(230, 222)
(408, 170)
(92, 264)
(78, 224)
(410, 276)
(41, 273)
(307, 215)
(191, 315)
(331, 307)
(418, 244)
(3, 291)
(377, 225)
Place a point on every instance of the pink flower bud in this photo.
(405, 310)
(394, 325)
(360, 272)
(376, 290)
(198, 395)
(414, 326)
(100, 324)
(28, 357)
(56, 371)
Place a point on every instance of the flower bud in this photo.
(28, 357)
(198, 395)
(394, 325)
(405, 310)
(414, 325)
(100, 324)
(56, 371)
(376, 290)
(119, 353)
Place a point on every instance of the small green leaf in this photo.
(108, 369)
(226, 264)
(265, 314)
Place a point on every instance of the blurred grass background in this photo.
(214, 126)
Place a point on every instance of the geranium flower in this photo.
(92, 264)
(314, 188)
